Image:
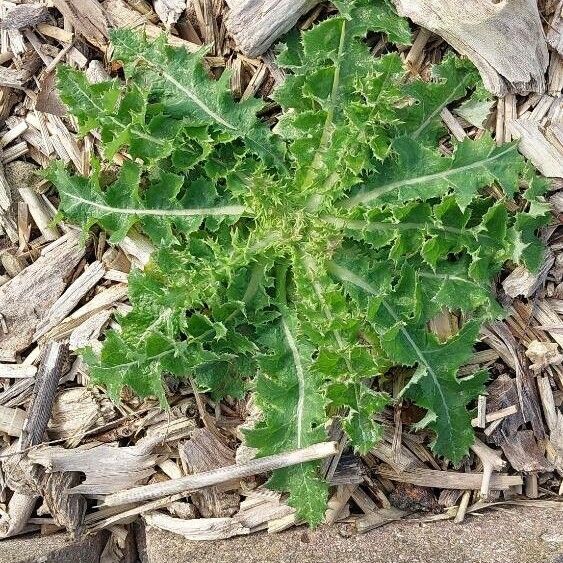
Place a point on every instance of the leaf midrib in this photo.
(365, 197)
(202, 211)
(300, 374)
(347, 275)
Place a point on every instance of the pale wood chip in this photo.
(256, 24)
(198, 529)
(12, 421)
(203, 452)
(62, 35)
(70, 298)
(87, 18)
(25, 299)
(17, 371)
(120, 14)
(107, 468)
(523, 452)
(534, 144)
(169, 11)
(522, 282)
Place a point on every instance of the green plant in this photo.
(304, 262)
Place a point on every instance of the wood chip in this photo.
(107, 468)
(17, 371)
(203, 452)
(534, 144)
(25, 299)
(523, 452)
(169, 11)
(555, 29)
(119, 14)
(70, 298)
(87, 18)
(198, 529)
(12, 421)
(450, 479)
(24, 15)
(256, 24)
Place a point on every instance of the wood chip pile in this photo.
(58, 434)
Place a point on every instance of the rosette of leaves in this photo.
(301, 262)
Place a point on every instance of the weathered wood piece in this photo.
(378, 518)
(203, 452)
(499, 336)
(543, 354)
(554, 419)
(17, 371)
(261, 507)
(535, 144)
(44, 391)
(256, 24)
(199, 528)
(107, 468)
(77, 410)
(87, 18)
(68, 510)
(120, 14)
(523, 282)
(555, 30)
(40, 213)
(169, 11)
(25, 299)
(505, 40)
(12, 420)
(450, 479)
(70, 298)
(24, 15)
(28, 481)
(101, 303)
(523, 453)
(337, 506)
(222, 475)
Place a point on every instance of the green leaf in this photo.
(123, 203)
(416, 172)
(450, 81)
(338, 99)
(361, 404)
(301, 263)
(289, 395)
(184, 89)
(434, 385)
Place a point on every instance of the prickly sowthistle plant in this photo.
(306, 261)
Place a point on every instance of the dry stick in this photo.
(462, 509)
(491, 461)
(21, 505)
(497, 415)
(481, 411)
(44, 392)
(221, 475)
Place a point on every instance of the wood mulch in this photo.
(58, 433)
